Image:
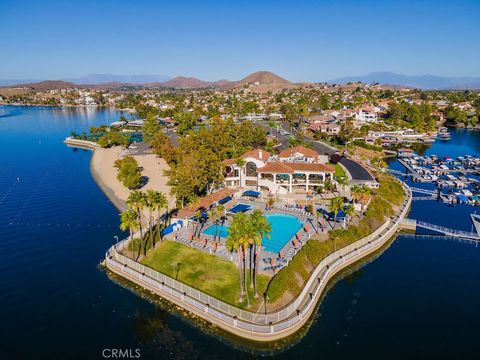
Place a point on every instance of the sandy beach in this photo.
(105, 175)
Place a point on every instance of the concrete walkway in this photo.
(268, 326)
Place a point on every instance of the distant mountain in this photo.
(48, 85)
(95, 79)
(182, 82)
(261, 81)
(420, 81)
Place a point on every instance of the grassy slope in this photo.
(339, 171)
(219, 278)
(292, 278)
(205, 272)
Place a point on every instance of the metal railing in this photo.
(447, 231)
(423, 191)
(271, 322)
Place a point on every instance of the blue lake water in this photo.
(284, 227)
(420, 299)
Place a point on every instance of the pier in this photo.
(412, 224)
(415, 175)
(424, 191)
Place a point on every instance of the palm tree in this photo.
(150, 205)
(233, 243)
(221, 212)
(136, 201)
(359, 193)
(263, 229)
(155, 201)
(328, 185)
(197, 216)
(247, 236)
(336, 204)
(349, 211)
(129, 221)
(240, 236)
(214, 217)
(356, 192)
(160, 202)
(342, 181)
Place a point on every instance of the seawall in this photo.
(268, 327)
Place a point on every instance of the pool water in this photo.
(284, 227)
(217, 230)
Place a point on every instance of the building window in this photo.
(251, 169)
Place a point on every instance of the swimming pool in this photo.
(284, 227)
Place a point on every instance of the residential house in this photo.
(297, 169)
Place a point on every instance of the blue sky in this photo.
(299, 40)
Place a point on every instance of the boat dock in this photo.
(412, 224)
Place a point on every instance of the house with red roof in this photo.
(297, 169)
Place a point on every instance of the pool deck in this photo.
(272, 326)
(288, 250)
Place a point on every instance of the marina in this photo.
(456, 181)
(95, 218)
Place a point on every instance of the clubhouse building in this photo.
(294, 170)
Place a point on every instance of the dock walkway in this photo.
(446, 231)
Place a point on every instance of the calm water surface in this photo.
(420, 299)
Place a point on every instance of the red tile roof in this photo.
(257, 154)
(205, 202)
(276, 167)
(298, 149)
(229, 161)
(290, 168)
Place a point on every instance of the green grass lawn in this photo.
(339, 171)
(220, 278)
(208, 273)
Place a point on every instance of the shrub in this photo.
(129, 173)
(364, 145)
(112, 138)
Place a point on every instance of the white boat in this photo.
(466, 192)
(459, 185)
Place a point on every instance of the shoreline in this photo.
(262, 328)
(109, 193)
(99, 107)
(104, 173)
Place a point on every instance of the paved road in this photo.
(357, 171)
(320, 147)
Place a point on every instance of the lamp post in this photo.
(116, 238)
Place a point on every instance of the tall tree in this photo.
(136, 201)
(336, 204)
(150, 128)
(129, 221)
(263, 229)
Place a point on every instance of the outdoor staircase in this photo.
(273, 187)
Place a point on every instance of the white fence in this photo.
(257, 323)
